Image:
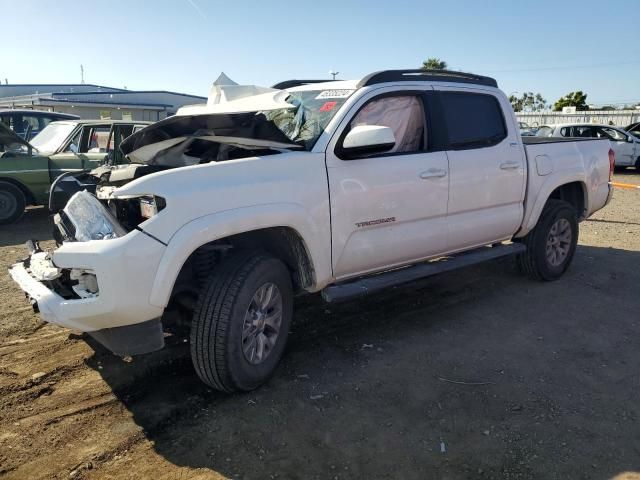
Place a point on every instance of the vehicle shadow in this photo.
(628, 172)
(454, 376)
(34, 224)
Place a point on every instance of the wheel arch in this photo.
(575, 194)
(292, 242)
(572, 191)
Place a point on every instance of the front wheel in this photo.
(241, 322)
(12, 203)
(551, 244)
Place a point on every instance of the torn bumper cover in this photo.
(101, 287)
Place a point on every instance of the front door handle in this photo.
(509, 165)
(433, 173)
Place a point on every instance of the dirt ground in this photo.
(366, 389)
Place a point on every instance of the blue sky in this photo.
(544, 46)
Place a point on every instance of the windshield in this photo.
(313, 110)
(51, 137)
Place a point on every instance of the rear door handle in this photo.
(509, 165)
(433, 173)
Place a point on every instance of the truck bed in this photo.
(550, 158)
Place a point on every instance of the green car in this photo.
(27, 170)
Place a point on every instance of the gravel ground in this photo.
(367, 389)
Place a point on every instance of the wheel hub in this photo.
(559, 242)
(261, 326)
(7, 205)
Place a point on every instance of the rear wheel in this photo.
(241, 322)
(12, 203)
(551, 244)
(638, 164)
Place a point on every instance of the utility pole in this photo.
(81, 74)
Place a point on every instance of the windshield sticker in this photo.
(328, 106)
(334, 94)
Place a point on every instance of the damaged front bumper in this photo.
(101, 287)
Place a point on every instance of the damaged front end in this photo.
(84, 283)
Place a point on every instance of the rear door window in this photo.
(473, 120)
(97, 139)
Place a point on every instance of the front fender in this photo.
(219, 225)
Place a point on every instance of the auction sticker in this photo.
(334, 94)
(328, 106)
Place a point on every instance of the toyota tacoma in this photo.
(229, 209)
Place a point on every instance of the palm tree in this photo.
(434, 64)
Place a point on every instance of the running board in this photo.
(366, 285)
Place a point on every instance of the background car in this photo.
(27, 169)
(526, 130)
(634, 129)
(28, 123)
(625, 145)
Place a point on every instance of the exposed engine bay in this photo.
(172, 143)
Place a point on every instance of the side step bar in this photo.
(373, 283)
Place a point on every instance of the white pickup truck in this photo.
(227, 210)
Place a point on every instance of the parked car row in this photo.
(625, 144)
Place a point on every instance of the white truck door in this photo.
(388, 208)
(487, 167)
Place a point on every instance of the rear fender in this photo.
(550, 184)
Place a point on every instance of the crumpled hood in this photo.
(245, 130)
(230, 116)
(245, 125)
(8, 137)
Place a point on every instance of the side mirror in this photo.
(629, 139)
(367, 139)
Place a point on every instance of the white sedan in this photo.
(626, 145)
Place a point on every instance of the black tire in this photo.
(534, 261)
(12, 203)
(216, 331)
(638, 164)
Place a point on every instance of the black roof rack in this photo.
(296, 83)
(425, 75)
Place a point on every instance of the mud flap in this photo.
(145, 337)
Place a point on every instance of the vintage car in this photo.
(27, 169)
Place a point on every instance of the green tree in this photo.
(574, 99)
(528, 101)
(434, 64)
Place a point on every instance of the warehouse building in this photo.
(96, 101)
